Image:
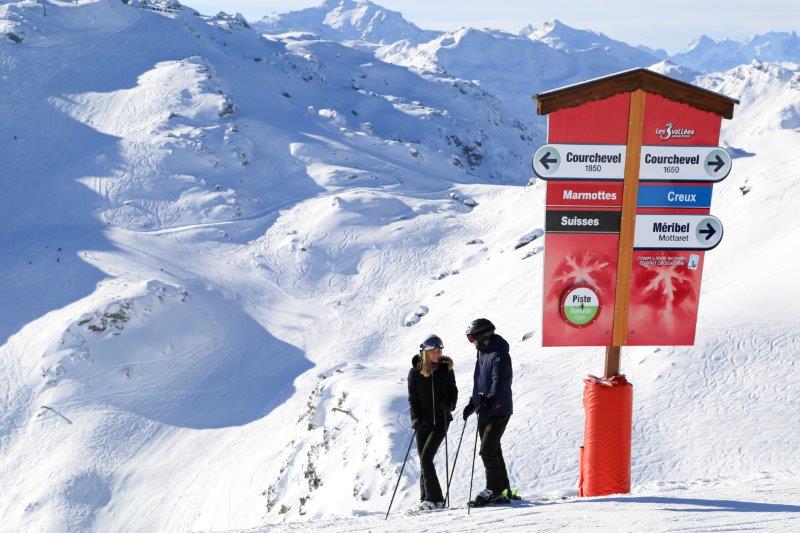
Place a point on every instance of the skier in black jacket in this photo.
(491, 397)
(432, 396)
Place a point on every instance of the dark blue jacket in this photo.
(492, 377)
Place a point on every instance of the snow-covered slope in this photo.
(221, 250)
(508, 65)
(516, 66)
(473, 54)
(752, 502)
(707, 55)
(186, 225)
(347, 20)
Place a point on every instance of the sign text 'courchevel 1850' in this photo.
(580, 162)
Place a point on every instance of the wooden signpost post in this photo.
(630, 163)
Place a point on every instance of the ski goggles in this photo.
(470, 338)
(433, 342)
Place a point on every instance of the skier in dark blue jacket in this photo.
(491, 397)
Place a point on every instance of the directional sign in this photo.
(674, 196)
(581, 221)
(580, 162)
(684, 163)
(578, 194)
(677, 232)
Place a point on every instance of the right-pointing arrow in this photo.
(718, 163)
(545, 160)
(709, 231)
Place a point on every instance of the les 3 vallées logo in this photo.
(669, 131)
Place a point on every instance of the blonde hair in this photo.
(426, 366)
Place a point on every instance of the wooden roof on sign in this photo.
(629, 81)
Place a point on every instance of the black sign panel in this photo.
(582, 221)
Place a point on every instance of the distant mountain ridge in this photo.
(347, 20)
(514, 66)
(367, 22)
(707, 55)
(571, 40)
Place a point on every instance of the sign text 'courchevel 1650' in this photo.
(684, 163)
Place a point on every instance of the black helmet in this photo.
(431, 342)
(480, 328)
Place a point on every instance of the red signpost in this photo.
(629, 165)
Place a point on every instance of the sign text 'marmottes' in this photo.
(579, 194)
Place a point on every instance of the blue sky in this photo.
(661, 24)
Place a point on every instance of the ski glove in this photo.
(468, 410)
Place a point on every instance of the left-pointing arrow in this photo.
(718, 163)
(569, 161)
(545, 160)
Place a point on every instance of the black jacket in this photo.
(433, 398)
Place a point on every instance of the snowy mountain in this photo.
(220, 251)
(473, 54)
(499, 61)
(707, 55)
(668, 68)
(515, 66)
(347, 20)
(588, 43)
(655, 52)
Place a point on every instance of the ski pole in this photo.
(472, 473)
(401, 474)
(453, 473)
(446, 466)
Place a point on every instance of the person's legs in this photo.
(422, 437)
(433, 491)
(492, 455)
(504, 477)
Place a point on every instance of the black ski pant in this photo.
(429, 438)
(491, 429)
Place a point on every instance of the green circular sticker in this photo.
(580, 306)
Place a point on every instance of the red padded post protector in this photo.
(605, 458)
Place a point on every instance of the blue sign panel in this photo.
(673, 196)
